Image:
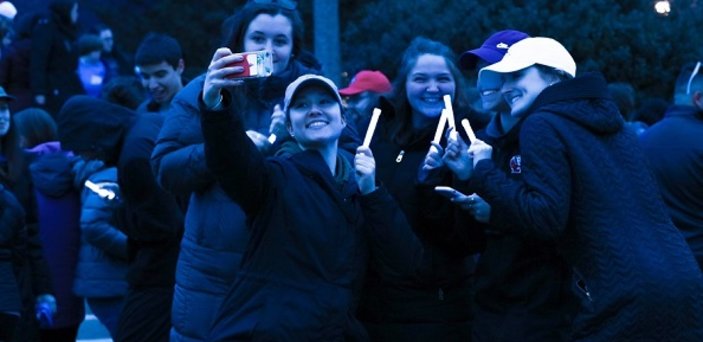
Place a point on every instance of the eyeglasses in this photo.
(285, 4)
(693, 75)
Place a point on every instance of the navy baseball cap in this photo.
(493, 49)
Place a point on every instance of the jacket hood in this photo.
(89, 124)
(584, 100)
(52, 175)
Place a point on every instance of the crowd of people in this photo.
(232, 207)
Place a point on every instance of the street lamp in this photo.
(662, 7)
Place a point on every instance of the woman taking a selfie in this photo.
(315, 220)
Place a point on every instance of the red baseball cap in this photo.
(367, 80)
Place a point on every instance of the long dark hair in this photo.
(10, 149)
(400, 126)
(235, 26)
(36, 126)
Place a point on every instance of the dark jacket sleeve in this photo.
(233, 158)
(540, 201)
(150, 214)
(395, 250)
(178, 159)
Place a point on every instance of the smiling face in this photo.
(428, 81)
(489, 87)
(271, 33)
(521, 88)
(162, 80)
(315, 117)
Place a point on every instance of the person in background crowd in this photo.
(153, 222)
(10, 151)
(94, 130)
(435, 303)
(675, 151)
(12, 234)
(15, 63)
(32, 273)
(215, 236)
(523, 285)
(54, 207)
(582, 175)
(625, 97)
(6, 28)
(91, 69)
(159, 65)
(118, 63)
(54, 58)
(363, 93)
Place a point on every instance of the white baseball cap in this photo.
(7, 9)
(536, 50)
(305, 80)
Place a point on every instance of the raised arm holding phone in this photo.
(315, 219)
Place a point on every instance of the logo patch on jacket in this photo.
(516, 164)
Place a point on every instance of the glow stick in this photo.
(103, 193)
(272, 138)
(440, 127)
(468, 129)
(450, 111)
(372, 126)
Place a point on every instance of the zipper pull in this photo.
(440, 294)
(399, 158)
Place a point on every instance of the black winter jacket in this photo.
(585, 185)
(312, 235)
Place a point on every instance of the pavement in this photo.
(91, 330)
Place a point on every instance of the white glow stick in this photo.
(103, 193)
(440, 127)
(450, 111)
(468, 129)
(372, 126)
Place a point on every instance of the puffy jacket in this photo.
(102, 262)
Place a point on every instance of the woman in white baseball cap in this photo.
(586, 186)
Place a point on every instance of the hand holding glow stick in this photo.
(372, 126)
(469, 130)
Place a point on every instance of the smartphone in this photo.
(448, 191)
(255, 64)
